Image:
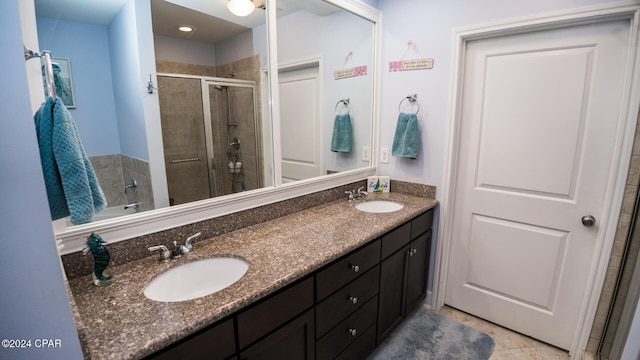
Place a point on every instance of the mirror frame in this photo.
(152, 221)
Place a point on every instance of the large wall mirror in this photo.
(182, 125)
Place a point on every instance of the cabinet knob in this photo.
(353, 332)
(353, 300)
(355, 268)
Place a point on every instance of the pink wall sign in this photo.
(347, 73)
(414, 64)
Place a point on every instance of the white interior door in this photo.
(540, 111)
(301, 124)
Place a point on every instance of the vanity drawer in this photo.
(362, 347)
(346, 300)
(421, 224)
(396, 239)
(217, 342)
(267, 315)
(340, 337)
(346, 269)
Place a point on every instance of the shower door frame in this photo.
(205, 82)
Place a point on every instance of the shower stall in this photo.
(211, 136)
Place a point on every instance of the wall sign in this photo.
(352, 72)
(413, 64)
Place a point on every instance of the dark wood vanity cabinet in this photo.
(295, 340)
(341, 311)
(403, 272)
(216, 342)
(274, 328)
(346, 304)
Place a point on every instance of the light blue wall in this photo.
(430, 24)
(184, 51)
(128, 85)
(302, 35)
(87, 47)
(34, 303)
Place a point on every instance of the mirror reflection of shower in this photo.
(210, 136)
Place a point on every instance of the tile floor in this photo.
(509, 345)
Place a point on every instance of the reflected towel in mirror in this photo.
(72, 186)
(342, 139)
(406, 142)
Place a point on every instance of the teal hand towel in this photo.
(406, 142)
(342, 139)
(72, 186)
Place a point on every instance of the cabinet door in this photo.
(217, 342)
(269, 314)
(294, 341)
(392, 295)
(417, 273)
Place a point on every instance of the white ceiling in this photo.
(99, 12)
(212, 20)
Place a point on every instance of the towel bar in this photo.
(48, 68)
(184, 160)
(345, 102)
(413, 98)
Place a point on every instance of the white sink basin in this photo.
(379, 206)
(196, 279)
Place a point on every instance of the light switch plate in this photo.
(384, 155)
(366, 153)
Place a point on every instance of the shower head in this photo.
(220, 87)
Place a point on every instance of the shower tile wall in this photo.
(139, 170)
(115, 171)
(242, 127)
(248, 129)
(244, 69)
(182, 68)
(108, 169)
(183, 137)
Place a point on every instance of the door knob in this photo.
(588, 220)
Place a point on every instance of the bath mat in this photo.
(426, 334)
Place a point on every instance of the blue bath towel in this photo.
(342, 139)
(72, 186)
(406, 142)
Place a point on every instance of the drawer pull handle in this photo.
(355, 268)
(353, 332)
(353, 300)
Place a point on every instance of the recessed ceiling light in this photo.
(186, 28)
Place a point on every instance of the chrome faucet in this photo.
(176, 250)
(353, 194)
(165, 254)
(187, 247)
(131, 206)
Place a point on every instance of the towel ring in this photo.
(413, 98)
(344, 102)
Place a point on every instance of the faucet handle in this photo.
(351, 194)
(361, 191)
(165, 254)
(187, 247)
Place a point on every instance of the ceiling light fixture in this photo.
(186, 28)
(241, 7)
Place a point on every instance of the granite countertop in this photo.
(119, 322)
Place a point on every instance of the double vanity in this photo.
(330, 281)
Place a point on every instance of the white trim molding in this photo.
(625, 136)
